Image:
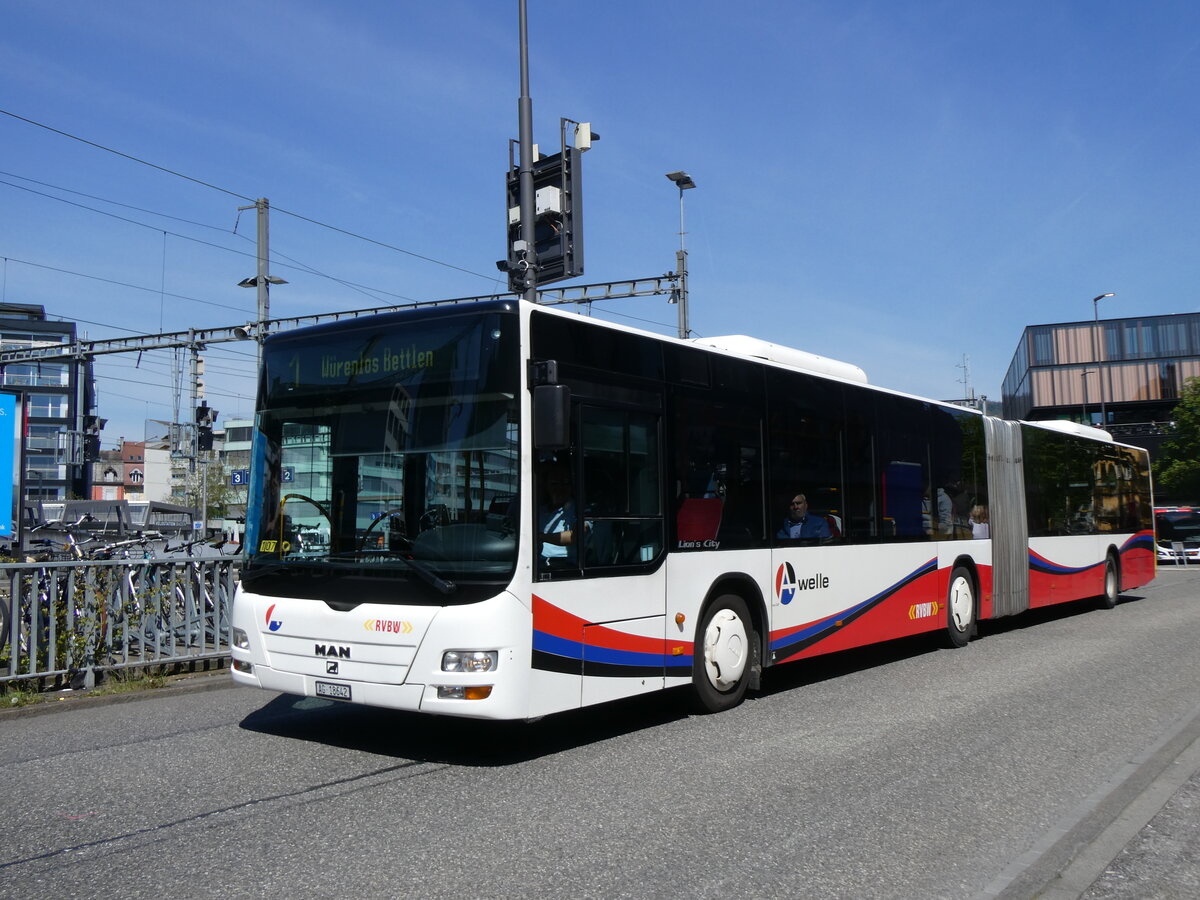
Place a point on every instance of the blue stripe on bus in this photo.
(549, 643)
(1041, 564)
(817, 630)
(624, 657)
(1037, 563)
(568, 649)
(1144, 540)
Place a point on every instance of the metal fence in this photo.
(74, 621)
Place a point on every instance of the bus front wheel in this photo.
(723, 654)
(960, 607)
(1112, 584)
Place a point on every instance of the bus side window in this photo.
(622, 492)
(718, 476)
(807, 429)
(907, 498)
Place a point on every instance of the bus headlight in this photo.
(240, 639)
(470, 660)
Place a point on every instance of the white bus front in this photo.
(382, 520)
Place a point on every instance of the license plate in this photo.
(333, 691)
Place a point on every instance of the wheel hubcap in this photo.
(962, 604)
(725, 649)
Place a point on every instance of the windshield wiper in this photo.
(294, 564)
(430, 577)
(426, 574)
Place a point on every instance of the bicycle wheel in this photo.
(5, 622)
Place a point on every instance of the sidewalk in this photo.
(212, 679)
(1164, 859)
(1137, 836)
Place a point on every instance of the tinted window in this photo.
(959, 475)
(1077, 486)
(717, 474)
(1177, 526)
(861, 522)
(1058, 483)
(902, 466)
(807, 435)
(587, 345)
(622, 494)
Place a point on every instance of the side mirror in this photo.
(551, 417)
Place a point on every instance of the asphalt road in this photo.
(1020, 766)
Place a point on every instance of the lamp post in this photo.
(262, 281)
(1096, 353)
(1083, 377)
(525, 165)
(684, 182)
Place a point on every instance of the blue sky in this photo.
(895, 184)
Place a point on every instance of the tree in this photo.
(219, 492)
(1177, 468)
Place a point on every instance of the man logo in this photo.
(785, 583)
(331, 667)
(331, 650)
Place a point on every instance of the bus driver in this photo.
(557, 517)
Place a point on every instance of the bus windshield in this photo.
(387, 453)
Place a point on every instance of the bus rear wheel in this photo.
(960, 607)
(1112, 584)
(722, 655)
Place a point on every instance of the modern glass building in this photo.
(1124, 375)
(58, 395)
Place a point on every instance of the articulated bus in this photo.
(736, 505)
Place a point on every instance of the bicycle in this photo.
(42, 620)
(131, 623)
(204, 596)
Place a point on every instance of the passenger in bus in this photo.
(980, 530)
(801, 524)
(945, 509)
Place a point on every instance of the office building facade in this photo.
(58, 396)
(1124, 375)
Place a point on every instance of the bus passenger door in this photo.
(606, 589)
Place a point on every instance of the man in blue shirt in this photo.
(799, 524)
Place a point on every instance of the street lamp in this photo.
(262, 281)
(684, 182)
(1096, 353)
(1083, 376)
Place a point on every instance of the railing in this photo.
(1139, 429)
(75, 621)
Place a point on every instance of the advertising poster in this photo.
(10, 458)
